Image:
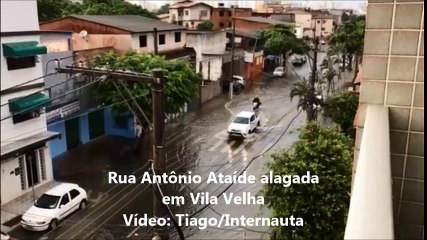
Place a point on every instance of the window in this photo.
(323, 29)
(187, 25)
(142, 41)
(162, 39)
(318, 21)
(221, 13)
(221, 24)
(192, 23)
(203, 13)
(324, 21)
(252, 118)
(177, 37)
(65, 199)
(22, 117)
(179, 13)
(74, 193)
(229, 13)
(230, 24)
(186, 12)
(21, 62)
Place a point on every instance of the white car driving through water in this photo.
(53, 206)
(244, 124)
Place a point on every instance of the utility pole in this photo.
(312, 94)
(157, 85)
(156, 50)
(159, 160)
(233, 19)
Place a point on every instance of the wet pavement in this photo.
(199, 143)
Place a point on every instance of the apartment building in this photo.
(323, 25)
(388, 185)
(25, 155)
(222, 17)
(189, 14)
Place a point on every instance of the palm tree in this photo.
(329, 73)
(301, 89)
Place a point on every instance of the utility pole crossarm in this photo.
(113, 74)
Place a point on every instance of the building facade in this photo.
(25, 155)
(223, 17)
(393, 76)
(189, 14)
(323, 25)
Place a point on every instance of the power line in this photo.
(50, 100)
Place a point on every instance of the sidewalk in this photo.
(12, 211)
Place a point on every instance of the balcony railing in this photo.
(371, 210)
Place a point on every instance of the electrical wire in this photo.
(159, 195)
(50, 100)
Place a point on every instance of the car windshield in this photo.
(47, 201)
(241, 120)
(279, 69)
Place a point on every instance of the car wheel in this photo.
(83, 204)
(53, 224)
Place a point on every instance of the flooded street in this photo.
(198, 143)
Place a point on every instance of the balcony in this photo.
(371, 210)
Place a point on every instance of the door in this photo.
(31, 168)
(72, 132)
(96, 124)
(64, 206)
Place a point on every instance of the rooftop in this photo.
(241, 32)
(131, 23)
(187, 4)
(264, 20)
(245, 114)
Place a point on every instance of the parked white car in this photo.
(53, 206)
(279, 72)
(244, 124)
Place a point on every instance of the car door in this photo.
(64, 206)
(75, 199)
(252, 122)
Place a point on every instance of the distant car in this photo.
(5, 236)
(53, 206)
(298, 60)
(238, 82)
(244, 124)
(279, 72)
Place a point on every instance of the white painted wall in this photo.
(11, 78)
(327, 24)
(169, 45)
(14, 77)
(195, 13)
(10, 184)
(19, 15)
(299, 32)
(208, 43)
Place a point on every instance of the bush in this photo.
(205, 26)
(327, 153)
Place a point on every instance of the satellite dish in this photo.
(83, 33)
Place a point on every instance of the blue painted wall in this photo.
(112, 127)
(59, 145)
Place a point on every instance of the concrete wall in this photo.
(19, 15)
(120, 42)
(240, 23)
(209, 91)
(59, 46)
(226, 19)
(304, 19)
(169, 45)
(393, 75)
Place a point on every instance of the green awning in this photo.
(30, 102)
(23, 49)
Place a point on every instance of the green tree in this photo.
(329, 73)
(205, 26)
(341, 108)
(349, 38)
(280, 39)
(181, 87)
(327, 153)
(52, 9)
(164, 9)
